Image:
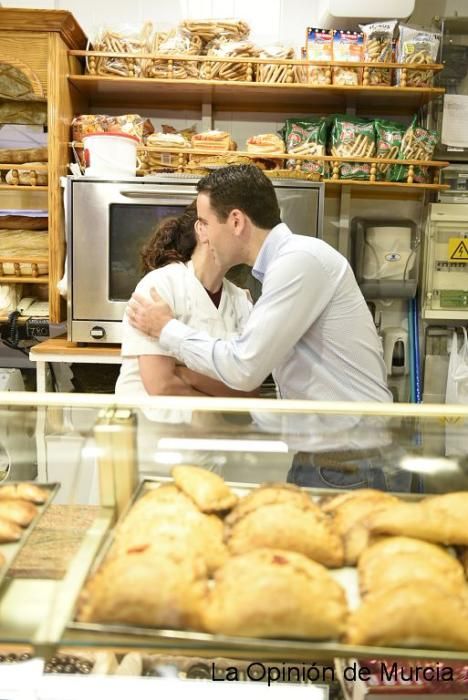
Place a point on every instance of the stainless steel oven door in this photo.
(109, 223)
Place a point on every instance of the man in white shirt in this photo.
(310, 328)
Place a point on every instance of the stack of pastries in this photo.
(192, 555)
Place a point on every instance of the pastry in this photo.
(464, 560)
(208, 490)
(213, 140)
(350, 512)
(265, 143)
(441, 519)
(411, 615)
(395, 560)
(147, 587)
(24, 490)
(166, 515)
(269, 494)
(9, 531)
(289, 527)
(273, 593)
(17, 511)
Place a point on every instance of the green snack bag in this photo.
(388, 137)
(352, 136)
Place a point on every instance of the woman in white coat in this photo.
(182, 269)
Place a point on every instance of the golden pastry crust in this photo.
(17, 511)
(396, 560)
(147, 587)
(289, 527)
(411, 615)
(165, 517)
(210, 493)
(464, 560)
(273, 593)
(270, 494)
(439, 519)
(9, 531)
(24, 490)
(350, 512)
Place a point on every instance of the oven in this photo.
(109, 221)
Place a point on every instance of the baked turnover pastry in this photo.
(147, 587)
(17, 511)
(411, 615)
(269, 494)
(273, 593)
(24, 490)
(206, 489)
(395, 560)
(350, 512)
(289, 527)
(436, 519)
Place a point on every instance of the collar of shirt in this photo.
(268, 251)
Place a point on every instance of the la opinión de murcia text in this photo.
(387, 672)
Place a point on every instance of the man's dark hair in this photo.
(242, 187)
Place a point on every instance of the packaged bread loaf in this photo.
(417, 143)
(20, 156)
(152, 161)
(30, 177)
(175, 42)
(388, 137)
(121, 39)
(306, 137)
(347, 48)
(319, 47)
(214, 70)
(378, 47)
(207, 30)
(274, 72)
(352, 136)
(417, 47)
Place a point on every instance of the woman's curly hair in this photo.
(173, 240)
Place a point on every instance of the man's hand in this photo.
(149, 316)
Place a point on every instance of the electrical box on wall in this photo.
(445, 284)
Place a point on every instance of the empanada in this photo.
(9, 531)
(464, 560)
(167, 520)
(289, 527)
(396, 560)
(411, 615)
(147, 587)
(206, 489)
(17, 511)
(350, 512)
(24, 490)
(273, 593)
(441, 519)
(269, 494)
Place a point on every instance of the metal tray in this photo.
(10, 550)
(205, 644)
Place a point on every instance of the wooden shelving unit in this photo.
(36, 42)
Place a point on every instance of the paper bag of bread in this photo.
(174, 42)
(352, 136)
(378, 48)
(417, 144)
(214, 70)
(306, 136)
(319, 47)
(388, 136)
(121, 39)
(347, 47)
(416, 47)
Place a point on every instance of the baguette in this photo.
(23, 155)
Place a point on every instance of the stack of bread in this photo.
(192, 555)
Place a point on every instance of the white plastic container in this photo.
(110, 155)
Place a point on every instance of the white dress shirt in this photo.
(311, 327)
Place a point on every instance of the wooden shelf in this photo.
(28, 188)
(13, 279)
(112, 91)
(397, 185)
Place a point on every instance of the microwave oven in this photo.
(109, 221)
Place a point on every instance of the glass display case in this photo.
(146, 511)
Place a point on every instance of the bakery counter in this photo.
(191, 550)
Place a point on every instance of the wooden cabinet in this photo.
(34, 44)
